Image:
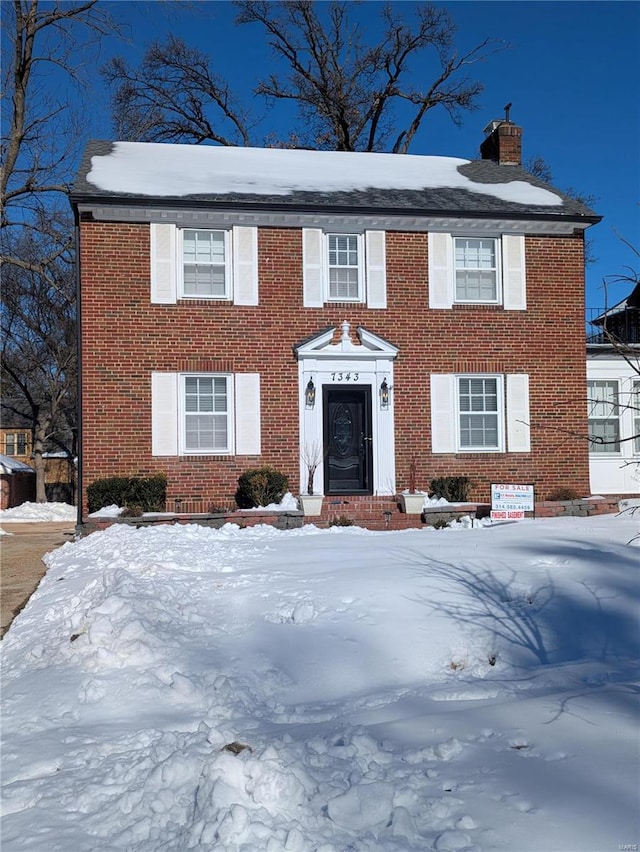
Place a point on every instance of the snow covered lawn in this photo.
(39, 512)
(183, 688)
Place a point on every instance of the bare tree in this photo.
(351, 96)
(44, 49)
(39, 129)
(174, 96)
(38, 357)
(356, 97)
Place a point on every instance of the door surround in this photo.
(367, 362)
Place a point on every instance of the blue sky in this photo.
(571, 73)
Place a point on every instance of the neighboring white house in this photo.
(613, 394)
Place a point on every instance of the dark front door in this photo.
(347, 440)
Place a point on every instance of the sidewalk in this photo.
(21, 566)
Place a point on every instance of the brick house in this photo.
(242, 306)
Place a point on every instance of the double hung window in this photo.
(604, 416)
(635, 404)
(207, 407)
(345, 267)
(476, 269)
(478, 406)
(16, 444)
(205, 264)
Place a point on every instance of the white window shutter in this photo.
(163, 264)
(376, 259)
(247, 414)
(513, 273)
(245, 265)
(164, 414)
(443, 413)
(440, 270)
(518, 428)
(312, 262)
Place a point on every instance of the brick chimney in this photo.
(503, 143)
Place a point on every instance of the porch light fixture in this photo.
(310, 394)
(384, 394)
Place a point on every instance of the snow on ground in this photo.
(185, 688)
(30, 512)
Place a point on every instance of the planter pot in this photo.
(311, 504)
(412, 504)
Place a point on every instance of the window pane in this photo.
(10, 446)
(479, 430)
(605, 435)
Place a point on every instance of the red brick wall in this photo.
(125, 338)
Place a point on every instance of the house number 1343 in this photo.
(345, 377)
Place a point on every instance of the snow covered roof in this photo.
(301, 179)
(10, 465)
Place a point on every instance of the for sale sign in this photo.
(509, 502)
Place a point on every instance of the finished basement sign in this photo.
(510, 502)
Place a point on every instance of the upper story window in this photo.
(345, 267)
(206, 264)
(207, 426)
(635, 404)
(482, 270)
(476, 269)
(479, 413)
(212, 264)
(604, 416)
(16, 444)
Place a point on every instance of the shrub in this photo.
(341, 521)
(260, 487)
(149, 493)
(563, 493)
(455, 489)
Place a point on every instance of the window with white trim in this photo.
(635, 404)
(16, 444)
(344, 259)
(603, 405)
(476, 261)
(479, 413)
(206, 421)
(206, 266)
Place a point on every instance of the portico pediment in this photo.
(366, 345)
